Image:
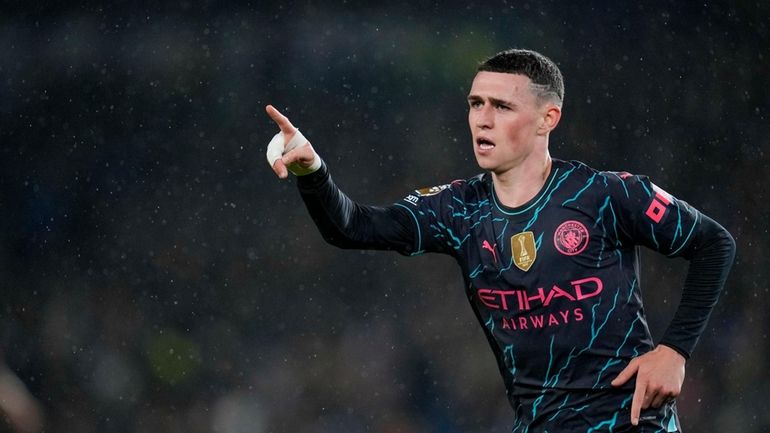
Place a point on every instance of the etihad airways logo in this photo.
(520, 300)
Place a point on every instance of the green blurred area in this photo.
(173, 358)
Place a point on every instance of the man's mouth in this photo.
(484, 143)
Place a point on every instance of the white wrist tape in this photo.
(278, 147)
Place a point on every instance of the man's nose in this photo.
(485, 118)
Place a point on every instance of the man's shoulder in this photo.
(458, 189)
(457, 185)
(589, 189)
(581, 171)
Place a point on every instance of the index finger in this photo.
(636, 404)
(281, 120)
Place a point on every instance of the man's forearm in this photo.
(711, 257)
(347, 224)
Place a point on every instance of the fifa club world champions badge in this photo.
(524, 250)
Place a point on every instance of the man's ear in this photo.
(551, 117)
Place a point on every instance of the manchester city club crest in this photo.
(524, 250)
(571, 238)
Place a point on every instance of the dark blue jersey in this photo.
(554, 283)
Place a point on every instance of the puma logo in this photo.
(485, 245)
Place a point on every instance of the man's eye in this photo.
(502, 107)
(476, 104)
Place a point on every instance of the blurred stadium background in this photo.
(156, 276)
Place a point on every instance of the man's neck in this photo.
(521, 184)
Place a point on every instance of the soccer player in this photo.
(549, 251)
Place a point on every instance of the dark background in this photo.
(156, 276)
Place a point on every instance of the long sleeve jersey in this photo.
(555, 282)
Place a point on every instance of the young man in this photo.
(549, 253)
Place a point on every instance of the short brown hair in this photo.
(547, 81)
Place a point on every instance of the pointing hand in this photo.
(289, 150)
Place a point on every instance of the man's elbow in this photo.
(729, 244)
(722, 240)
(717, 240)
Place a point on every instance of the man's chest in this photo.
(559, 243)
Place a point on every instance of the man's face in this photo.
(505, 119)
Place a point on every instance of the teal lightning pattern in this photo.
(611, 207)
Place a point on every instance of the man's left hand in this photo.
(659, 377)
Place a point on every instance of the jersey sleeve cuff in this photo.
(678, 349)
(314, 180)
